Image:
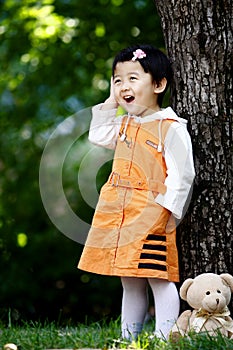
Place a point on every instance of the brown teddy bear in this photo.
(208, 294)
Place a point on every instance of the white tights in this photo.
(135, 304)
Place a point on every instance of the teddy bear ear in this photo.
(184, 288)
(228, 279)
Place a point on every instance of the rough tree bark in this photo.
(198, 38)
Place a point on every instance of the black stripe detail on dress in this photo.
(152, 266)
(154, 242)
(153, 256)
(156, 238)
(161, 248)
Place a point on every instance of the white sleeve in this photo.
(180, 170)
(105, 127)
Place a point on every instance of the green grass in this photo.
(100, 335)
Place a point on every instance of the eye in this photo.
(133, 77)
(116, 81)
(219, 291)
(207, 293)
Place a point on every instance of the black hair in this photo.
(156, 63)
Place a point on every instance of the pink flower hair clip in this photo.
(138, 54)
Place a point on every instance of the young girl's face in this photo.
(134, 89)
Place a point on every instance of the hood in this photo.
(164, 114)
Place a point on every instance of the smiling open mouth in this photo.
(129, 98)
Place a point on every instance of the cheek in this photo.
(148, 92)
(116, 92)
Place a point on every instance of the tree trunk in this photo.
(198, 37)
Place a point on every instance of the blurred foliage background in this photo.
(55, 60)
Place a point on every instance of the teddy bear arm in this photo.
(182, 323)
(230, 334)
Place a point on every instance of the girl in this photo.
(133, 232)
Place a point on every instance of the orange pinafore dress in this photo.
(131, 235)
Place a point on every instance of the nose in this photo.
(124, 87)
(217, 301)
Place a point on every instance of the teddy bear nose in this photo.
(217, 301)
